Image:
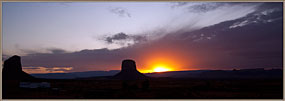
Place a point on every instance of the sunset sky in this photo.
(58, 37)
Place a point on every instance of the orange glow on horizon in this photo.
(157, 68)
(163, 58)
(162, 62)
(161, 69)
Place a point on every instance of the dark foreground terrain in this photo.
(160, 88)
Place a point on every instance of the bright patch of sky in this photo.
(38, 27)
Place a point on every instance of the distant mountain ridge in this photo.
(74, 75)
(222, 74)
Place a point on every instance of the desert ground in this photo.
(159, 88)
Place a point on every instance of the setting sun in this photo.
(161, 69)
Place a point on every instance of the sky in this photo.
(58, 37)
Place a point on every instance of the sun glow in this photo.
(163, 60)
(161, 69)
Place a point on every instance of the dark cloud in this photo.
(120, 12)
(178, 4)
(205, 7)
(56, 51)
(100, 59)
(119, 36)
(139, 38)
(199, 7)
(122, 37)
(31, 67)
(269, 6)
(257, 44)
(43, 51)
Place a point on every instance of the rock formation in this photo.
(12, 69)
(129, 71)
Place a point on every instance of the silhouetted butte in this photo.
(129, 71)
(12, 69)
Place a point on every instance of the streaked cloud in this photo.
(56, 50)
(35, 70)
(121, 12)
(178, 4)
(203, 7)
(124, 40)
(24, 51)
(119, 36)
